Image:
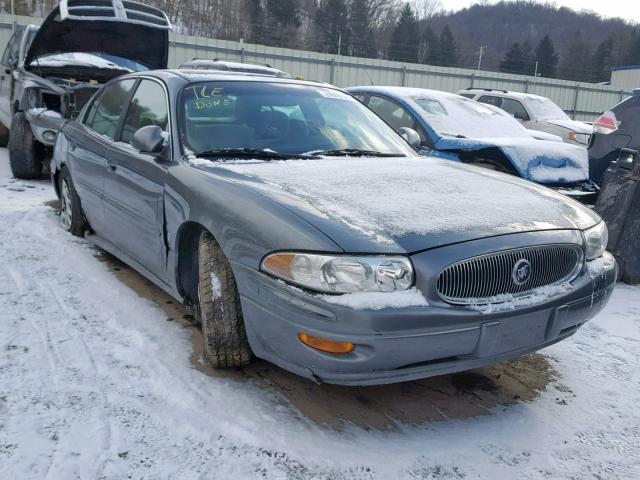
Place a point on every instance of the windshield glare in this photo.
(545, 109)
(457, 116)
(285, 118)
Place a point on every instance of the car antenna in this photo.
(370, 81)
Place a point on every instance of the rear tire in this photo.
(25, 156)
(225, 337)
(71, 215)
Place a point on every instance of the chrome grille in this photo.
(479, 280)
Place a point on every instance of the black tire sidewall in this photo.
(78, 222)
(23, 154)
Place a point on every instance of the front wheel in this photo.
(225, 337)
(71, 214)
(25, 153)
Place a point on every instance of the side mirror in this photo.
(411, 136)
(627, 158)
(149, 139)
(521, 116)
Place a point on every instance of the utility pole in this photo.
(482, 47)
(535, 72)
(13, 17)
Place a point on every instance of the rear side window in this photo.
(106, 112)
(148, 107)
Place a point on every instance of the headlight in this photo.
(596, 239)
(341, 273)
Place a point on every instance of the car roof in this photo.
(216, 64)
(503, 93)
(403, 92)
(195, 75)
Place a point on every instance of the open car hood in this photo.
(120, 28)
(536, 160)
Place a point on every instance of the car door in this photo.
(86, 147)
(397, 116)
(134, 184)
(10, 60)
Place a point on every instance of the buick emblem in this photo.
(521, 271)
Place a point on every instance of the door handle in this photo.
(111, 166)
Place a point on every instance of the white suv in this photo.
(534, 112)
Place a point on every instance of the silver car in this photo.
(303, 230)
(535, 113)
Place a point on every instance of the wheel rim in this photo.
(65, 206)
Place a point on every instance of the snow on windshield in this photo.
(456, 116)
(544, 109)
(80, 59)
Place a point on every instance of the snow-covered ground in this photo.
(95, 383)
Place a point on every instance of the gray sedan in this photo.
(303, 230)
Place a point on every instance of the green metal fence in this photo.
(582, 101)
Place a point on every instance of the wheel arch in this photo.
(186, 269)
(493, 154)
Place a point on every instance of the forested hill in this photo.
(519, 36)
(576, 36)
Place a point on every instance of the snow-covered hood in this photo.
(576, 126)
(140, 43)
(405, 204)
(536, 160)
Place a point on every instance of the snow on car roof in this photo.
(502, 93)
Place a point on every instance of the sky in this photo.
(627, 9)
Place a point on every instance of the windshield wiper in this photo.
(354, 152)
(252, 153)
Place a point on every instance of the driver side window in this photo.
(105, 113)
(395, 115)
(148, 107)
(12, 51)
(515, 108)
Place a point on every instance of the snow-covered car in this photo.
(50, 72)
(302, 229)
(534, 112)
(454, 127)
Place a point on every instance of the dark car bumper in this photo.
(584, 192)
(394, 345)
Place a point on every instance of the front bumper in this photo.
(44, 124)
(395, 345)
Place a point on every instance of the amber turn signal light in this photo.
(325, 345)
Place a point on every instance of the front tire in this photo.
(71, 215)
(24, 155)
(225, 337)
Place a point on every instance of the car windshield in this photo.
(284, 118)
(457, 116)
(88, 60)
(544, 109)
